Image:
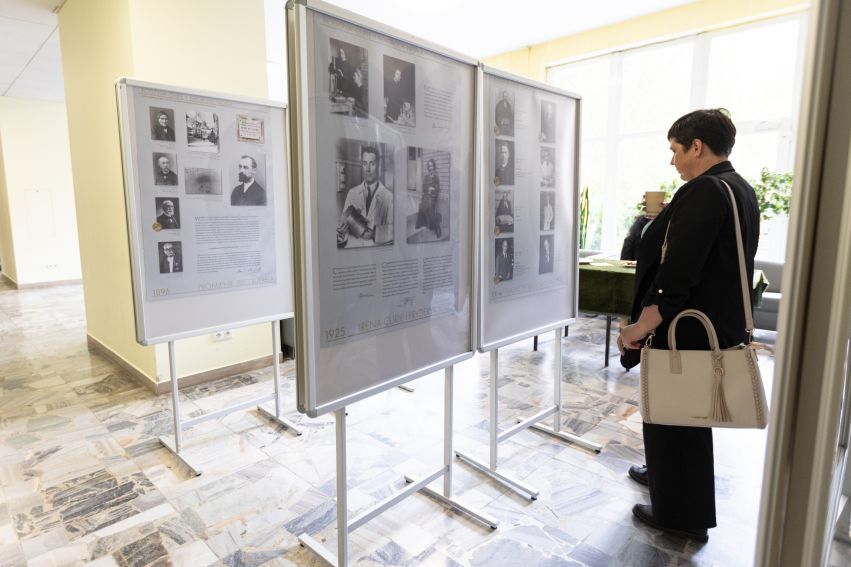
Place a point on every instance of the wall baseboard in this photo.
(49, 284)
(9, 279)
(17, 285)
(137, 374)
(182, 381)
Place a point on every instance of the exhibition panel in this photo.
(384, 161)
(528, 212)
(208, 205)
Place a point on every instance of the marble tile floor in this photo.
(84, 481)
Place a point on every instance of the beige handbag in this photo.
(704, 388)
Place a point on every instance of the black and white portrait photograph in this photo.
(399, 92)
(503, 212)
(162, 124)
(202, 181)
(364, 193)
(250, 190)
(165, 169)
(548, 122)
(348, 79)
(504, 171)
(504, 113)
(504, 260)
(202, 131)
(171, 257)
(545, 254)
(428, 195)
(548, 210)
(168, 212)
(548, 167)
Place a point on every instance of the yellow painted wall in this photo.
(7, 250)
(96, 50)
(39, 190)
(683, 20)
(202, 44)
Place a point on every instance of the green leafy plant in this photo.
(773, 193)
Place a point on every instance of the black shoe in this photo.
(644, 513)
(639, 474)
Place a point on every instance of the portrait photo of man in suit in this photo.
(545, 254)
(168, 216)
(504, 114)
(249, 192)
(164, 166)
(161, 124)
(504, 264)
(171, 257)
(504, 174)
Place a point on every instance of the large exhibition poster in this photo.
(528, 256)
(389, 192)
(208, 209)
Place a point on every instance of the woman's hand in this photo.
(632, 335)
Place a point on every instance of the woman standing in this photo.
(697, 269)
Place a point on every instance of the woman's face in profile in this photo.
(684, 160)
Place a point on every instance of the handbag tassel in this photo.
(720, 412)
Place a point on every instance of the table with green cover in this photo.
(606, 287)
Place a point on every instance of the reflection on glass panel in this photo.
(656, 88)
(590, 80)
(643, 165)
(752, 72)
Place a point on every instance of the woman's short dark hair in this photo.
(712, 126)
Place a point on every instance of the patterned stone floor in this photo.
(84, 481)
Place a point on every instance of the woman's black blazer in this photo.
(701, 267)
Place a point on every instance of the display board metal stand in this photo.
(346, 526)
(496, 436)
(176, 445)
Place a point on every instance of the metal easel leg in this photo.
(608, 337)
(446, 498)
(555, 430)
(276, 366)
(342, 558)
(176, 447)
(490, 470)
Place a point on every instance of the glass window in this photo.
(589, 79)
(752, 72)
(656, 86)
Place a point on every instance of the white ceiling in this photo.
(30, 62)
(31, 66)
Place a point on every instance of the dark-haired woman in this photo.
(698, 269)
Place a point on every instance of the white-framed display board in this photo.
(208, 209)
(383, 141)
(528, 213)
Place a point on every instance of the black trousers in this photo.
(681, 473)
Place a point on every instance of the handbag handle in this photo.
(746, 298)
(707, 324)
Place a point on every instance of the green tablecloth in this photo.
(608, 288)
